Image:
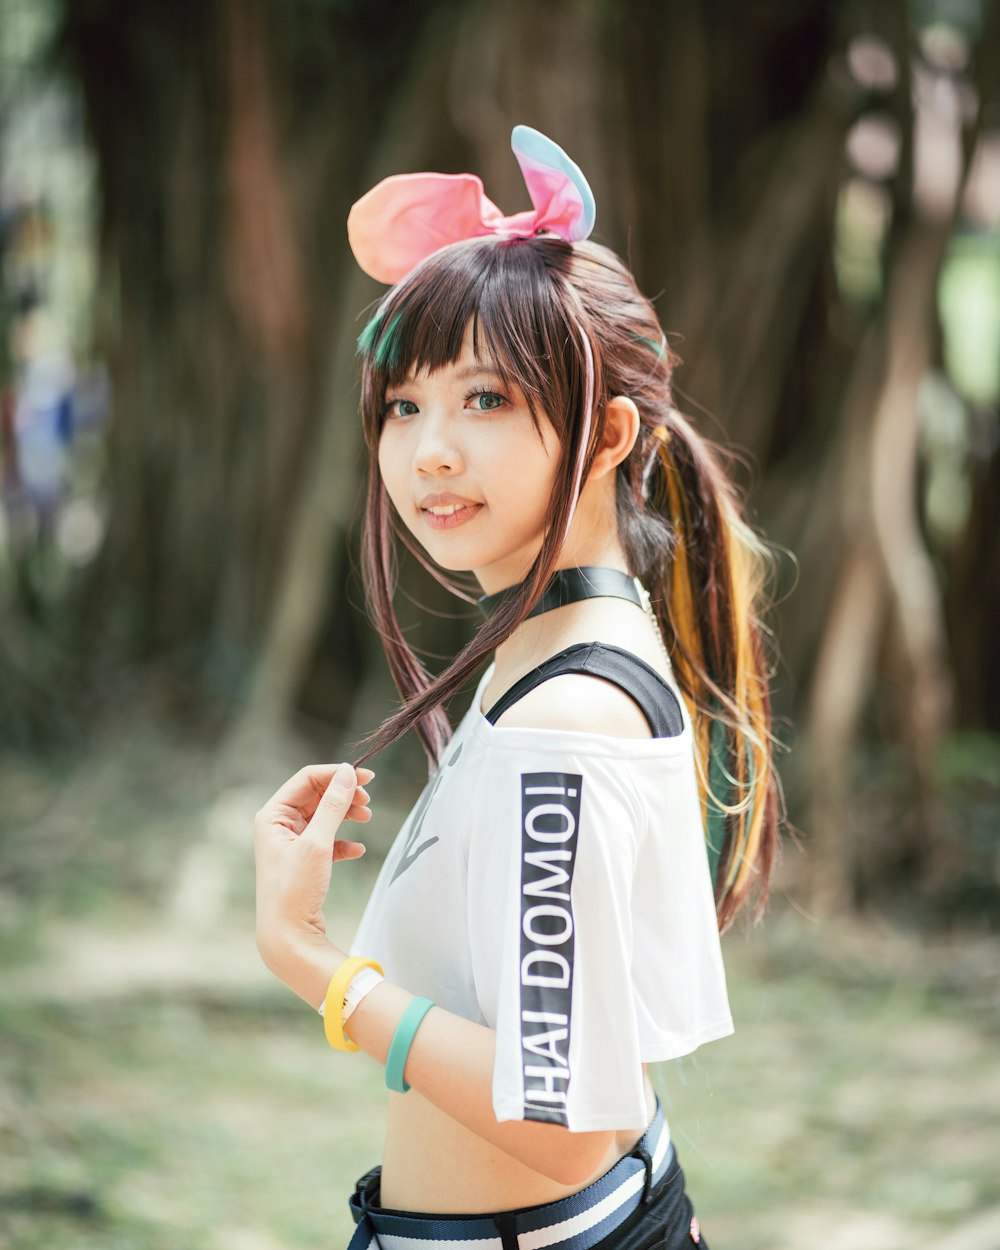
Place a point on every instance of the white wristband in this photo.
(361, 983)
(364, 979)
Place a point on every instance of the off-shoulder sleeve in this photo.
(551, 868)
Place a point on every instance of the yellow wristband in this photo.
(333, 1006)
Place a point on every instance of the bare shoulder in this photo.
(577, 701)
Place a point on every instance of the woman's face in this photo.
(467, 471)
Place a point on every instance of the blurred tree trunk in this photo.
(884, 582)
(972, 584)
(887, 614)
(229, 147)
(973, 602)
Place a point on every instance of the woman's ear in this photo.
(621, 429)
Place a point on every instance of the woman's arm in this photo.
(451, 1059)
(450, 1063)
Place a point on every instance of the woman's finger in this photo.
(348, 850)
(332, 808)
(304, 789)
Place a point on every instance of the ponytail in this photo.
(709, 598)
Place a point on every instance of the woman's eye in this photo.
(400, 408)
(487, 401)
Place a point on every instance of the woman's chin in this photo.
(453, 565)
(449, 556)
(471, 562)
(498, 568)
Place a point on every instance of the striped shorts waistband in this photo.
(574, 1223)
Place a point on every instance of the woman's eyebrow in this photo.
(485, 370)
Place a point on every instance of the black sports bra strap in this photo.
(655, 697)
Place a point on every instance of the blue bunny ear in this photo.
(563, 200)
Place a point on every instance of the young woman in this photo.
(547, 923)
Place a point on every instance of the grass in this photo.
(223, 1122)
(157, 1124)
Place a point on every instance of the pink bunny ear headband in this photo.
(407, 217)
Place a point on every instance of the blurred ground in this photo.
(159, 1090)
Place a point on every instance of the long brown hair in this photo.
(567, 325)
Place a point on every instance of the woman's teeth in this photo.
(449, 516)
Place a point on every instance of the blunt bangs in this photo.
(512, 290)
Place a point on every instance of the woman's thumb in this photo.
(333, 806)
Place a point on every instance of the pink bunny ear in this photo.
(407, 217)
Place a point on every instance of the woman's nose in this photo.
(436, 449)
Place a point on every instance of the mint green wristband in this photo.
(402, 1040)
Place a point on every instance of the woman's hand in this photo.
(295, 844)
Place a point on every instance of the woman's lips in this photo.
(450, 521)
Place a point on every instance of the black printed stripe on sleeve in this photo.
(550, 817)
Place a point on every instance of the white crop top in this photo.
(554, 885)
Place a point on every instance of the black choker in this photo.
(591, 581)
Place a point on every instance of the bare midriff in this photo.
(432, 1163)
